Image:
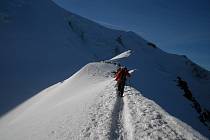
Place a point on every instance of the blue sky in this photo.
(176, 26)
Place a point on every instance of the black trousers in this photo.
(120, 88)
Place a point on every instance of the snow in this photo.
(121, 56)
(57, 108)
(132, 71)
(42, 44)
(86, 106)
(151, 122)
(39, 48)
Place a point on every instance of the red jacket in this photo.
(121, 73)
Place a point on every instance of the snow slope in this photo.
(39, 43)
(86, 106)
(42, 44)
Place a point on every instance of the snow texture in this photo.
(42, 44)
(121, 56)
(86, 106)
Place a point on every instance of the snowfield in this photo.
(86, 106)
(42, 44)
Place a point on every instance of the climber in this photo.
(121, 77)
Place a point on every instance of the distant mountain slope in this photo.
(42, 44)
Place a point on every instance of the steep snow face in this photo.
(41, 44)
(156, 76)
(61, 107)
(86, 106)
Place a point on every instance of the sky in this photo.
(176, 26)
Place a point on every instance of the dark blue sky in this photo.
(176, 26)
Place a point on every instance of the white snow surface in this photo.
(121, 56)
(86, 106)
(42, 44)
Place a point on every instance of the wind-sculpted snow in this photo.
(59, 111)
(121, 56)
(42, 44)
(86, 106)
(132, 117)
(149, 121)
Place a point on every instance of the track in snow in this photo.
(106, 117)
(131, 117)
(119, 126)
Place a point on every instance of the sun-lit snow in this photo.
(42, 44)
(122, 55)
(86, 106)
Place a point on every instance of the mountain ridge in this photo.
(85, 106)
(42, 44)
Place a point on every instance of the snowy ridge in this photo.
(86, 106)
(27, 32)
(42, 44)
(133, 117)
(55, 107)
